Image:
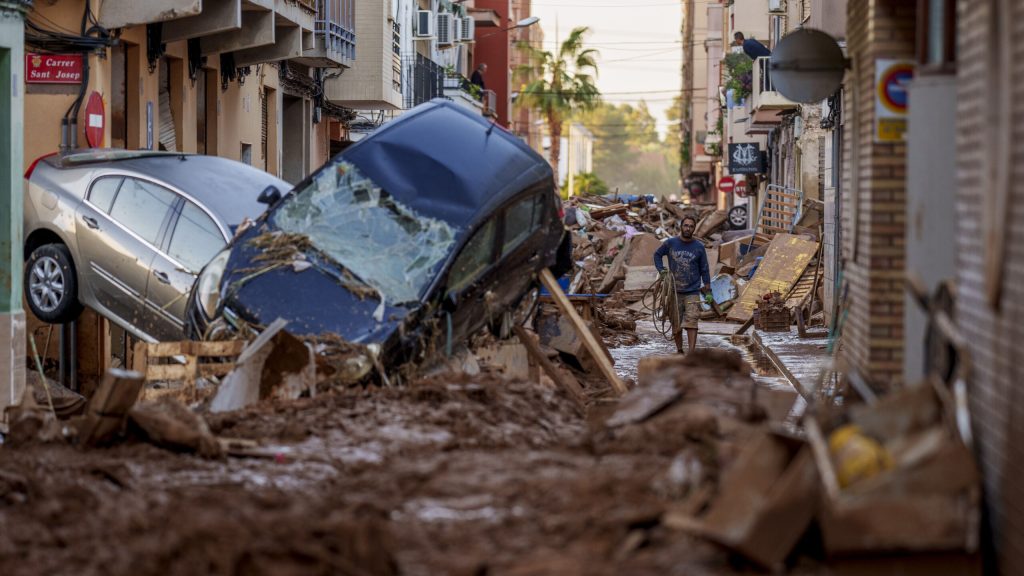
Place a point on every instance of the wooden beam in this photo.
(561, 378)
(105, 415)
(797, 385)
(596, 350)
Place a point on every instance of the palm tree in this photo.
(560, 84)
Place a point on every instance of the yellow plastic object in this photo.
(856, 456)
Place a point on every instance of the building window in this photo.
(778, 28)
(936, 33)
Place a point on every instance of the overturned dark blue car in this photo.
(413, 238)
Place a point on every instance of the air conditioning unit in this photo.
(776, 5)
(468, 29)
(446, 31)
(424, 24)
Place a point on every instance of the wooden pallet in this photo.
(177, 365)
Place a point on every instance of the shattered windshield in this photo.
(362, 227)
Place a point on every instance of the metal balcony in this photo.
(334, 35)
(764, 96)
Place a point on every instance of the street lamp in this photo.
(524, 23)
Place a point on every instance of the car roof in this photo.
(448, 163)
(228, 188)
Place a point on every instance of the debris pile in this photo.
(771, 314)
(614, 245)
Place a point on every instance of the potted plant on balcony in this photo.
(739, 75)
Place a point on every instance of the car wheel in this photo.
(51, 285)
(738, 217)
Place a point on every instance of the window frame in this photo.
(948, 63)
(161, 234)
(538, 205)
(172, 227)
(92, 187)
(493, 222)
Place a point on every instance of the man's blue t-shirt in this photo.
(688, 263)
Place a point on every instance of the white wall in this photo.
(931, 197)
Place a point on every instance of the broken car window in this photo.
(386, 244)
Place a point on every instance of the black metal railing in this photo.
(427, 79)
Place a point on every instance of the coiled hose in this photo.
(661, 301)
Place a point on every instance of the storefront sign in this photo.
(745, 158)
(53, 68)
(891, 79)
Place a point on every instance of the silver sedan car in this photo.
(125, 232)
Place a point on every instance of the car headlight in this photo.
(209, 283)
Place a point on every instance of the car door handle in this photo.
(161, 276)
(91, 222)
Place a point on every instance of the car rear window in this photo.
(102, 193)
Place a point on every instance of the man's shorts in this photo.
(689, 310)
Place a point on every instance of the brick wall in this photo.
(995, 336)
(874, 182)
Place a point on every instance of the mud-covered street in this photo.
(448, 475)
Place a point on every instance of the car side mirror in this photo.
(270, 196)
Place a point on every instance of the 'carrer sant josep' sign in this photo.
(745, 158)
(53, 68)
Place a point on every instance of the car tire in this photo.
(738, 218)
(51, 284)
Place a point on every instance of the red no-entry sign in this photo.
(726, 184)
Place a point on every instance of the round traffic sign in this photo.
(726, 184)
(892, 89)
(94, 120)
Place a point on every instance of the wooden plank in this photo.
(225, 348)
(140, 358)
(597, 352)
(215, 369)
(165, 349)
(167, 372)
(565, 380)
(781, 367)
(105, 415)
(784, 262)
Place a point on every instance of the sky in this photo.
(639, 42)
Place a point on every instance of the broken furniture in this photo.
(171, 368)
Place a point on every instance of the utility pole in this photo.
(12, 133)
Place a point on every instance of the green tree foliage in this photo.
(559, 83)
(587, 184)
(628, 153)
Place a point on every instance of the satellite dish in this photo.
(807, 66)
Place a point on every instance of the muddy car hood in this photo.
(313, 301)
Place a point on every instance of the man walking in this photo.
(688, 263)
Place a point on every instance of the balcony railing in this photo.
(427, 80)
(764, 96)
(336, 26)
